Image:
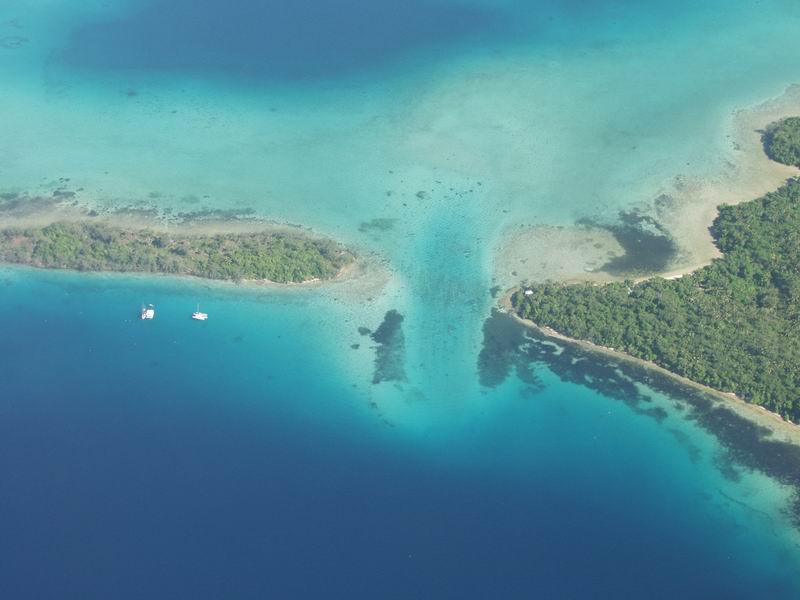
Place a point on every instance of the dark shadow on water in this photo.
(745, 445)
(272, 39)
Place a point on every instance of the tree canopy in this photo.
(275, 256)
(733, 325)
(782, 141)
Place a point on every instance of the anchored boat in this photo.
(148, 312)
(199, 316)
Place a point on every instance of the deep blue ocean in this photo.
(227, 459)
(276, 451)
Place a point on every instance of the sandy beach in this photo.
(573, 254)
(685, 207)
(49, 211)
(780, 429)
(749, 175)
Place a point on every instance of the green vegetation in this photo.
(733, 325)
(782, 141)
(279, 257)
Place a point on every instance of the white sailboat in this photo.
(199, 316)
(148, 312)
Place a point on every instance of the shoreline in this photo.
(691, 205)
(688, 220)
(206, 228)
(347, 273)
(747, 173)
(780, 429)
(361, 278)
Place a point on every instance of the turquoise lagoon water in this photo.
(253, 455)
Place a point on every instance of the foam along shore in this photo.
(779, 428)
(684, 209)
(257, 254)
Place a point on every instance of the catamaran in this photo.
(148, 312)
(199, 316)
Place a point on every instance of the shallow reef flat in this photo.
(667, 235)
(538, 253)
(730, 325)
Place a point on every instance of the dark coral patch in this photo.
(390, 351)
(377, 225)
(744, 444)
(648, 246)
(12, 42)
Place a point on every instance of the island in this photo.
(733, 325)
(782, 141)
(273, 255)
